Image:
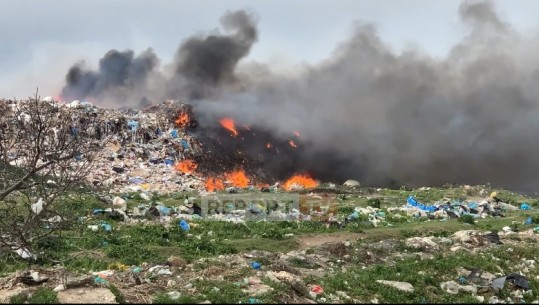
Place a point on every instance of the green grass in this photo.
(40, 296)
(83, 250)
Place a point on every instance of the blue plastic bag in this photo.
(353, 216)
(107, 227)
(256, 265)
(174, 133)
(184, 225)
(98, 211)
(136, 180)
(163, 210)
(528, 221)
(133, 125)
(525, 206)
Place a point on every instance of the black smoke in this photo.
(202, 63)
(209, 62)
(369, 113)
(119, 75)
(388, 118)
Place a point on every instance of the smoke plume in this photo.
(392, 119)
(120, 75)
(201, 65)
(367, 113)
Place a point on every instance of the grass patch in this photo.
(243, 245)
(41, 296)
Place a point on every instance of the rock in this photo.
(422, 243)
(59, 288)
(87, 296)
(507, 206)
(117, 201)
(5, 295)
(174, 295)
(176, 261)
(403, 286)
(79, 281)
(453, 288)
(457, 248)
(464, 236)
(205, 302)
(480, 298)
(468, 288)
(281, 276)
(258, 289)
(450, 287)
(351, 182)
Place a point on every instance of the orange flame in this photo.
(292, 143)
(183, 119)
(228, 123)
(296, 133)
(214, 184)
(268, 145)
(186, 166)
(302, 180)
(238, 178)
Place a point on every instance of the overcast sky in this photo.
(41, 39)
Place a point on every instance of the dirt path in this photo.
(314, 240)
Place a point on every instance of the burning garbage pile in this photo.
(162, 148)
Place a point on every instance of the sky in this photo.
(42, 39)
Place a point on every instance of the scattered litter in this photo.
(317, 289)
(100, 280)
(513, 278)
(184, 225)
(174, 295)
(524, 206)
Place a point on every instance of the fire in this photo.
(183, 119)
(292, 143)
(238, 178)
(268, 145)
(228, 123)
(186, 166)
(302, 180)
(296, 133)
(214, 184)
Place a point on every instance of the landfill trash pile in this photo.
(162, 148)
(141, 147)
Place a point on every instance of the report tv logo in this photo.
(270, 207)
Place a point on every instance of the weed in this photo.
(467, 219)
(303, 263)
(120, 299)
(43, 296)
(345, 210)
(18, 299)
(163, 298)
(407, 233)
(374, 202)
